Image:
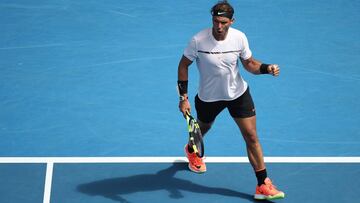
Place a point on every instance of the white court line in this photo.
(51, 160)
(48, 181)
(211, 159)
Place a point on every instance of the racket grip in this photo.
(195, 149)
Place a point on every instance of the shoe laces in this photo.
(270, 185)
(197, 160)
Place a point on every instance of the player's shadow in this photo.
(114, 188)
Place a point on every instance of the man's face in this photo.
(221, 26)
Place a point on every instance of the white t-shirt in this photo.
(218, 64)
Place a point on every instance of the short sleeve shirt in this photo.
(218, 64)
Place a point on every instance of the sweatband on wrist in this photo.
(182, 86)
(264, 68)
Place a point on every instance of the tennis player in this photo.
(217, 51)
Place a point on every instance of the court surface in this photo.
(89, 110)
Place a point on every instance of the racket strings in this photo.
(195, 136)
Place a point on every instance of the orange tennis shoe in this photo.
(268, 191)
(196, 164)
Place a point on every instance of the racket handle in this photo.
(195, 149)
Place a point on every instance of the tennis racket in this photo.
(195, 136)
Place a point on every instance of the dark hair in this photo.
(223, 8)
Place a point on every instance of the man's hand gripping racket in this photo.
(195, 136)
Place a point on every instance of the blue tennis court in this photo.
(89, 110)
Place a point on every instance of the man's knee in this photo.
(250, 136)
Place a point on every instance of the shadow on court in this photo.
(114, 188)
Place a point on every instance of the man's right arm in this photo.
(183, 71)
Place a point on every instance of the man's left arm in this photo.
(256, 67)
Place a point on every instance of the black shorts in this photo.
(241, 107)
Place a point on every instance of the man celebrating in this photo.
(217, 51)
